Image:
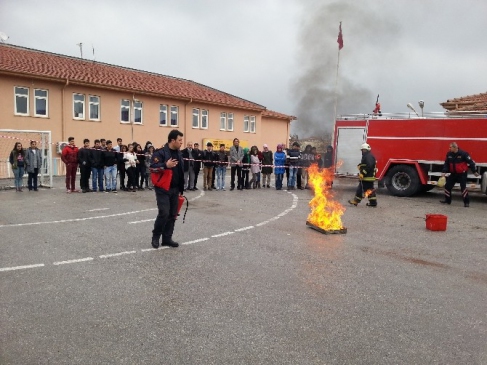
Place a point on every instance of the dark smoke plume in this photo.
(314, 89)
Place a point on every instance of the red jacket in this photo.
(70, 155)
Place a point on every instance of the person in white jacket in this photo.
(130, 160)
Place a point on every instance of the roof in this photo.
(272, 114)
(33, 63)
(471, 103)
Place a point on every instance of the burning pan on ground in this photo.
(342, 230)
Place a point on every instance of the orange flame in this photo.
(325, 212)
(368, 192)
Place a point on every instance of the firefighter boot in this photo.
(354, 202)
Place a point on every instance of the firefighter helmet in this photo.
(365, 146)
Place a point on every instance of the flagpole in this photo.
(340, 46)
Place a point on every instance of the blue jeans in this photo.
(18, 174)
(111, 176)
(220, 177)
(97, 176)
(279, 181)
(293, 171)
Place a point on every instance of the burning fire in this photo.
(368, 192)
(325, 212)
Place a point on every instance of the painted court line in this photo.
(195, 241)
(73, 261)
(20, 267)
(97, 209)
(145, 220)
(223, 234)
(243, 229)
(117, 254)
(76, 219)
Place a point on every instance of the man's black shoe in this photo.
(155, 242)
(170, 243)
(466, 205)
(371, 205)
(444, 202)
(232, 189)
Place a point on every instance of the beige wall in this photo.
(61, 123)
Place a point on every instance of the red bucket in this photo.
(436, 222)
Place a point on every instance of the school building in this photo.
(67, 96)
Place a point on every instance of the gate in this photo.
(8, 138)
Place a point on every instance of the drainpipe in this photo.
(63, 124)
(132, 115)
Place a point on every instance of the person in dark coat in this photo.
(367, 170)
(84, 166)
(164, 159)
(33, 160)
(457, 163)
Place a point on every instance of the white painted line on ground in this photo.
(154, 249)
(117, 254)
(261, 223)
(223, 234)
(243, 229)
(76, 219)
(73, 261)
(97, 209)
(20, 267)
(195, 241)
(145, 220)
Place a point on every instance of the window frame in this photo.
(223, 121)
(253, 124)
(46, 98)
(205, 116)
(125, 107)
(230, 126)
(161, 111)
(21, 96)
(196, 114)
(175, 111)
(246, 124)
(79, 102)
(90, 103)
(138, 106)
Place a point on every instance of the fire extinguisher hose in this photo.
(181, 201)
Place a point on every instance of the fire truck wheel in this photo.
(403, 180)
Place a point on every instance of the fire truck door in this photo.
(347, 150)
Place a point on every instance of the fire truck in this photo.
(410, 150)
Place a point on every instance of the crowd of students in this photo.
(103, 162)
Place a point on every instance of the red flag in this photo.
(340, 37)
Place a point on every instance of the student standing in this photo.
(70, 157)
(33, 160)
(17, 160)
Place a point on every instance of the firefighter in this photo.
(367, 170)
(457, 163)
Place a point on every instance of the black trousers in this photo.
(32, 179)
(167, 205)
(132, 182)
(450, 183)
(84, 180)
(238, 170)
(366, 187)
(121, 174)
(196, 173)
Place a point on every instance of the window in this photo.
(78, 106)
(138, 112)
(223, 121)
(196, 118)
(125, 111)
(40, 103)
(94, 107)
(174, 116)
(230, 122)
(246, 123)
(163, 115)
(204, 119)
(252, 124)
(21, 101)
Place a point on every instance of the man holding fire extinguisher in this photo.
(168, 178)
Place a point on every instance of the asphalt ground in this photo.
(250, 284)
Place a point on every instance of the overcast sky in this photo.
(278, 53)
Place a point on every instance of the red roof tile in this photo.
(272, 114)
(24, 61)
(471, 103)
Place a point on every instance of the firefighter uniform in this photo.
(457, 164)
(367, 170)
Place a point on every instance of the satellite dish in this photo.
(3, 37)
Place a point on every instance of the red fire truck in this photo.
(410, 151)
